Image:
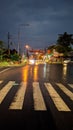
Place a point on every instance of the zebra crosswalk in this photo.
(38, 98)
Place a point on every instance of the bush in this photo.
(15, 57)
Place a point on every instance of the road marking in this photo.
(65, 90)
(5, 90)
(4, 70)
(71, 85)
(58, 101)
(1, 81)
(39, 103)
(19, 97)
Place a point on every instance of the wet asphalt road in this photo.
(28, 118)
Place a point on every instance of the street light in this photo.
(27, 49)
(20, 25)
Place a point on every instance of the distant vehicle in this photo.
(35, 62)
(31, 61)
(67, 61)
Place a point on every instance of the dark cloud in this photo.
(47, 18)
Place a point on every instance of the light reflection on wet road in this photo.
(49, 72)
(58, 72)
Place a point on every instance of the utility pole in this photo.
(20, 25)
(18, 42)
(8, 43)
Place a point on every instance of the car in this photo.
(67, 61)
(31, 61)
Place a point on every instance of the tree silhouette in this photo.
(65, 39)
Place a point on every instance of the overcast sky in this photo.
(46, 19)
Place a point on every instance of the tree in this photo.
(1, 44)
(64, 42)
(51, 47)
(65, 39)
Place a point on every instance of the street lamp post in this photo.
(20, 25)
(27, 49)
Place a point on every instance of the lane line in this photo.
(4, 70)
(5, 90)
(39, 103)
(65, 90)
(19, 97)
(58, 101)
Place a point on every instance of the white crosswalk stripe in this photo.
(71, 85)
(1, 81)
(65, 90)
(5, 90)
(39, 103)
(58, 101)
(19, 97)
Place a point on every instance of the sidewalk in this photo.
(4, 64)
